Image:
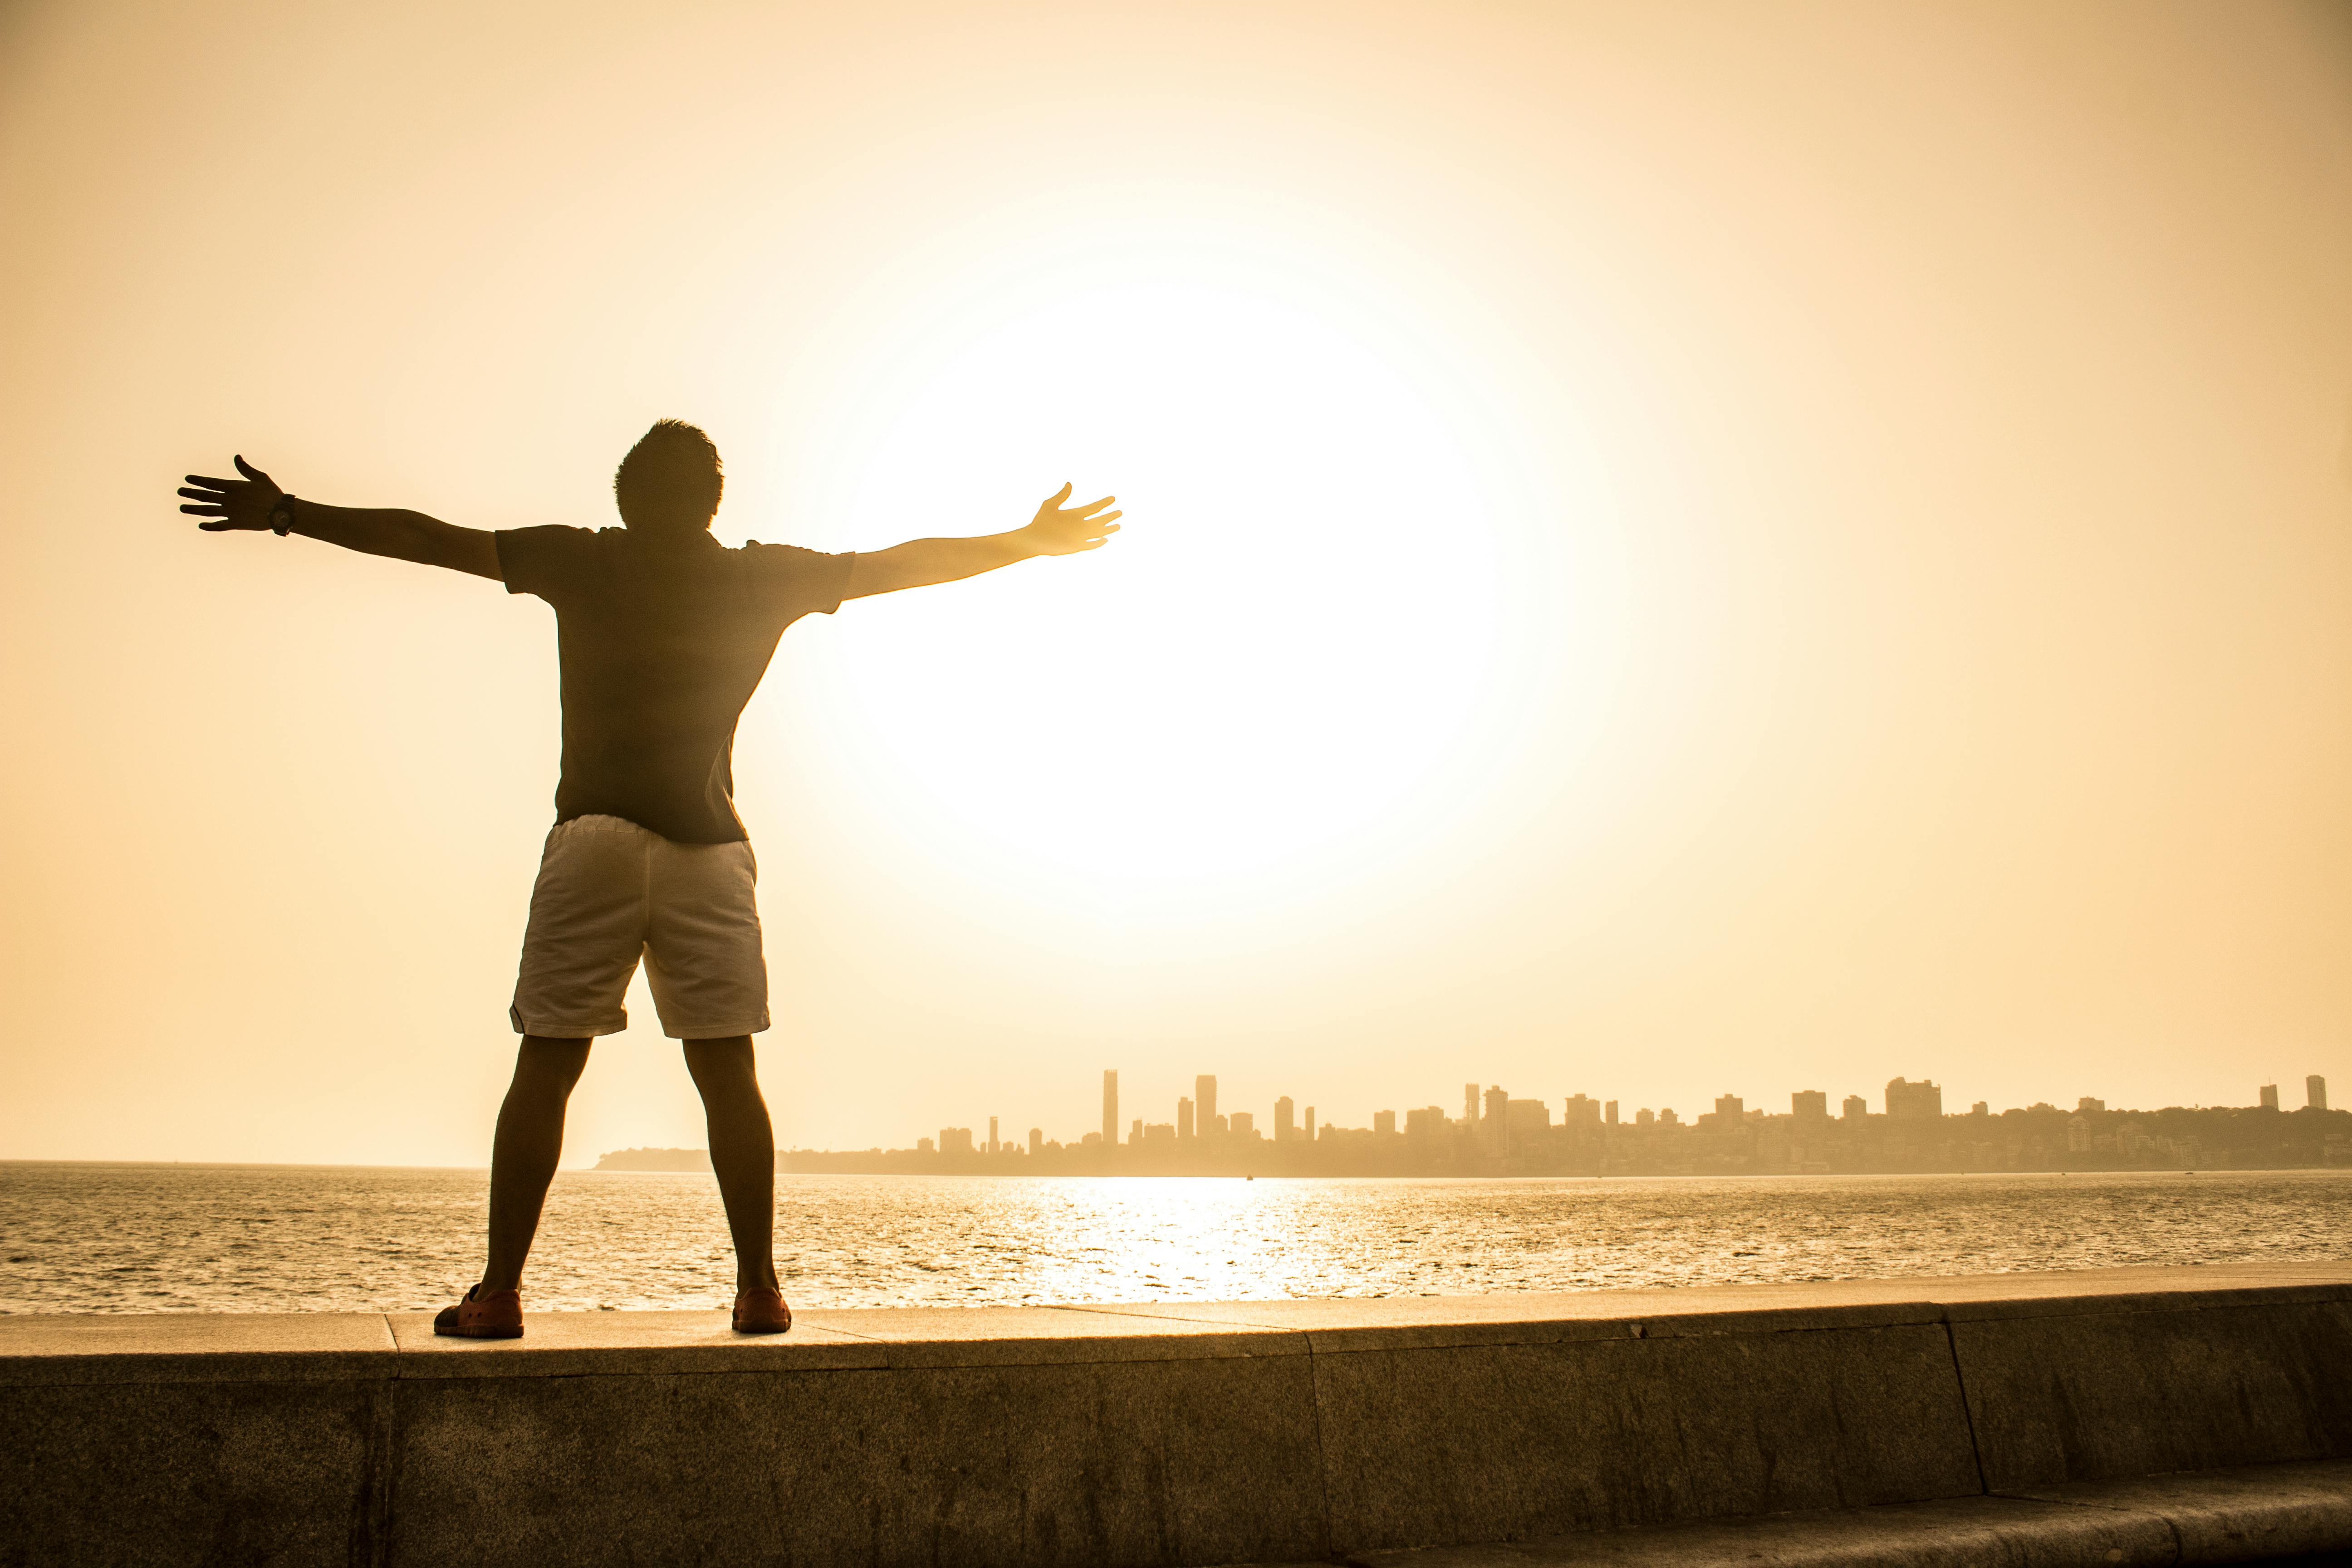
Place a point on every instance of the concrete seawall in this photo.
(1188, 1434)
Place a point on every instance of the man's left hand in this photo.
(1059, 529)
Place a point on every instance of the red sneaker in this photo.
(497, 1316)
(760, 1311)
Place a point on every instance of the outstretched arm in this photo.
(255, 502)
(1056, 529)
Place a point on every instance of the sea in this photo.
(85, 1237)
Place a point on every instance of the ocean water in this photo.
(177, 1239)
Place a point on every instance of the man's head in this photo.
(668, 485)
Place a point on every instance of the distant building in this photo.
(1185, 1119)
(1204, 1101)
(1524, 1119)
(2087, 1106)
(1980, 1109)
(1242, 1124)
(1809, 1104)
(1384, 1121)
(1582, 1111)
(955, 1140)
(2314, 1089)
(1091, 1140)
(924, 1145)
(1161, 1134)
(2269, 1101)
(1037, 1140)
(1609, 1113)
(1111, 1105)
(992, 1135)
(1470, 1105)
(1729, 1107)
(1855, 1108)
(1645, 1117)
(1920, 1101)
(1286, 1125)
(1426, 1122)
(1496, 1120)
(1135, 1131)
(1666, 1117)
(1310, 1124)
(2078, 1134)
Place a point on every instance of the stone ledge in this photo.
(352, 1346)
(1175, 1434)
(2234, 1516)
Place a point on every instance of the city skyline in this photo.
(1195, 1117)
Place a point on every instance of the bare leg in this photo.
(742, 1152)
(522, 1160)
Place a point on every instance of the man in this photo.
(663, 634)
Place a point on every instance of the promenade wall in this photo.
(1159, 1435)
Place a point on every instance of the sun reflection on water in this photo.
(283, 1238)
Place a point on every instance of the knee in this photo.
(728, 1064)
(549, 1067)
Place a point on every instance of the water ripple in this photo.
(101, 1238)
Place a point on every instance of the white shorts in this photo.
(609, 891)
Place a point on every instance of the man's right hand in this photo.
(246, 504)
(243, 503)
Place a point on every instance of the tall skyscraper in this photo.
(1470, 1105)
(2270, 1097)
(1729, 1107)
(2314, 1089)
(1496, 1119)
(1111, 1105)
(1284, 1125)
(1204, 1101)
(1809, 1104)
(1037, 1140)
(1608, 1112)
(1855, 1107)
(1310, 1124)
(992, 1135)
(1920, 1101)
(1184, 1119)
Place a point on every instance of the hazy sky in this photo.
(1671, 549)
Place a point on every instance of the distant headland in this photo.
(658, 1160)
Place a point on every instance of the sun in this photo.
(1287, 660)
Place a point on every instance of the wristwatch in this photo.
(281, 516)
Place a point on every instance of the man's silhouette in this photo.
(663, 635)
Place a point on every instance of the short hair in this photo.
(671, 481)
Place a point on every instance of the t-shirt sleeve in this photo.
(541, 561)
(790, 582)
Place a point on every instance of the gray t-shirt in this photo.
(662, 642)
